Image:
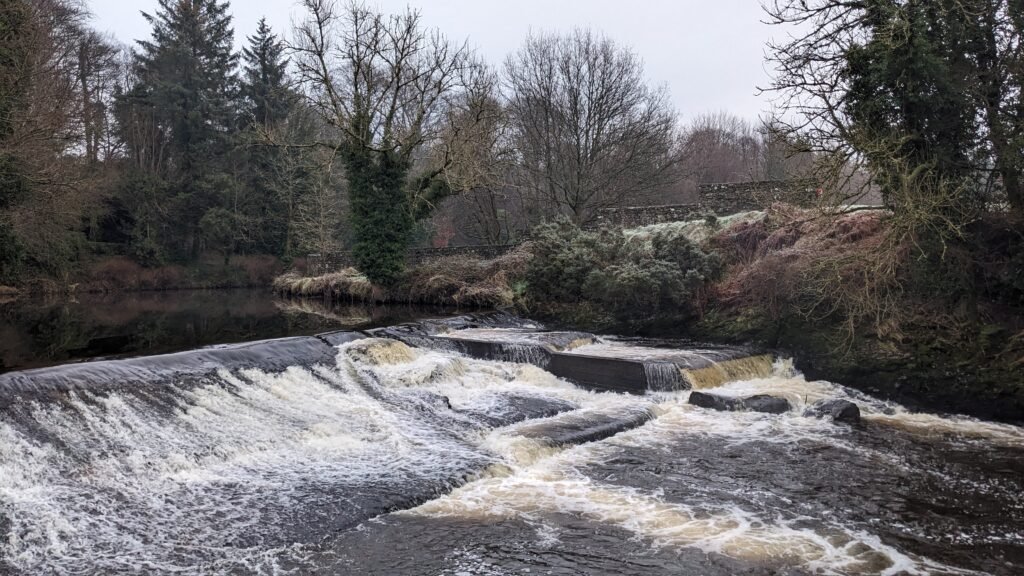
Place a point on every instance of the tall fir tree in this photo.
(187, 90)
(268, 97)
(267, 105)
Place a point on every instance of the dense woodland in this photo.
(356, 129)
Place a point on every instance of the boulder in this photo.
(837, 410)
(759, 403)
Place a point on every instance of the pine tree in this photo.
(267, 106)
(268, 99)
(187, 87)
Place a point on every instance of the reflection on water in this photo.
(36, 333)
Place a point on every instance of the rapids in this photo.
(378, 457)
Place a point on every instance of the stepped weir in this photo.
(488, 445)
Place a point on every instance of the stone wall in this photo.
(717, 199)
(635, 216)
(725, 199)
(318, 264)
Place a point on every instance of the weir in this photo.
(466, 443)
(608, 364)
(575, 356)
(183, 368)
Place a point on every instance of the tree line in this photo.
(355, 129)
(927, 96)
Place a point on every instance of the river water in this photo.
(48, 331)
(390, 459)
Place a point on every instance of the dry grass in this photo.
(347, 284)
(451, 281)
(798, 261)
(468, 281)
(121, 273)
(8, 294)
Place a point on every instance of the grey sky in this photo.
(710, 53)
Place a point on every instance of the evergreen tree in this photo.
(268, 98)
(268, 104)
(187, 89)
(910, 85)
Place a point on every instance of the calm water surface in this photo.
(37, 333)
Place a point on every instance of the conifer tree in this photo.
(268, 98)
(268, 103)
(188, 90)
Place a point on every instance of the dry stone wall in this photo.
(717, 199)
(318, 264)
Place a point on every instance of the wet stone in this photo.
(758, 403)
(582, 428)
(837, 410)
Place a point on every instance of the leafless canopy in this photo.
(384, 82)
(589, 130)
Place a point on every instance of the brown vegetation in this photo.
(798, 261)
(119, 273)
(455, 280)
(856, 299)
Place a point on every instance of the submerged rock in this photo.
(759, 403)
(585, 426)
(838, 410)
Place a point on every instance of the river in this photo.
(376, 457)
(48, 331)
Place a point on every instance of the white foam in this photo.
(113, 483)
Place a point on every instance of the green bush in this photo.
(604, 270)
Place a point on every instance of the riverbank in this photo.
(120, 274)
(833, 291)
(833, 294)
(458, 281)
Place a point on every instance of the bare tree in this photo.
(51, 135)
(721, 147)
(589, 130)
(320, 211)
(386, 85)
(481, 155)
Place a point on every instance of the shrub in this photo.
(610, 271)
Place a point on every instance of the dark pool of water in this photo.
(37, 333)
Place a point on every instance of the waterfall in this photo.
(664, 376)
(525, 353)
(724, 371)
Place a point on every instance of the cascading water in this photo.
(379, 458)
(663, 376)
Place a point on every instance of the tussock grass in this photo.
(450, 281)
(345, 284)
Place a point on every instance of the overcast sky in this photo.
(710, 54)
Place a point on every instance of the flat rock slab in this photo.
(759, 403)
(584, 426)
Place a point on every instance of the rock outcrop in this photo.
(759, 403)
(837, 410)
